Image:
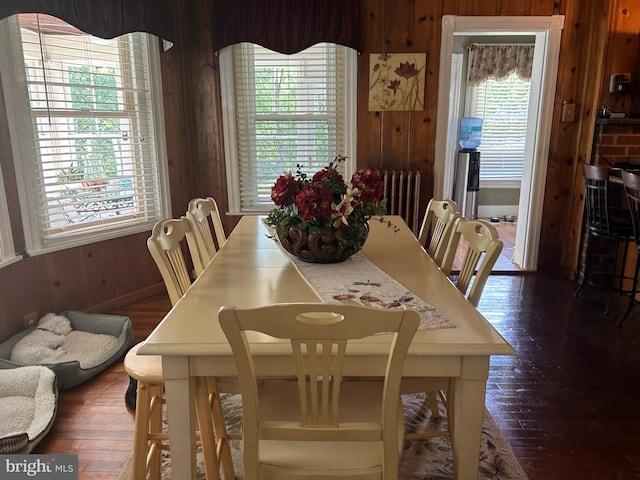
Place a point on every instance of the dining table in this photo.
(251, 269)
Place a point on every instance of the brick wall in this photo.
(617, 141)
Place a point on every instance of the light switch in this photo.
(568, 112)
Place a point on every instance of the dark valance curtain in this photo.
(103, 18)
(286, 26)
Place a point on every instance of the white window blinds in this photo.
(503, 105)
(85, 109)
(286, 110)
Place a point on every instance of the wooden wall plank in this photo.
(623, 47)
(369, 124)
(483, 8)
(10, 314)
(580, 79)
(428, 32)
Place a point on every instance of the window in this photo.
(281, 111)
(503, 105)
(86, 131)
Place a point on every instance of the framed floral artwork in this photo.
(396, 81)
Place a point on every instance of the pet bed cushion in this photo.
(28, 401)
(95, 343)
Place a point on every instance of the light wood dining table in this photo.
(252, 270)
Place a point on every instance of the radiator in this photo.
(402, 191)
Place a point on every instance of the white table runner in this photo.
(357, 281)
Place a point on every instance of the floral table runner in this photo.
(357, 281)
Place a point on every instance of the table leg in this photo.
(466, 413)
(180, 396)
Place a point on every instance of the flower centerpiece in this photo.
(324, 219)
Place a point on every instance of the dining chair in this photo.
(631, 182)
(166, 245)
(481, 249)
(435, 232)
(437, 226)
(606, 222)
(318, 425)
(209, 233)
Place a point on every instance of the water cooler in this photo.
(467, 179)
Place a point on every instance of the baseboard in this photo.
(488, 211)
(127, 299)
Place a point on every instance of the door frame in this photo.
(547, 31)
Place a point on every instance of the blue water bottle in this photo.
(470, 132)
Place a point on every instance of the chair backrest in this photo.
(437, 226)
(631, 181)
(319, 335)
(481, 246)
(596, 182)
(207, 225)
(166, 247)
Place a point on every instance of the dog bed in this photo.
(28, 402)
(86, 353)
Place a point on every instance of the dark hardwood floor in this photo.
(568, 403)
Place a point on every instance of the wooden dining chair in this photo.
(437, 226)
(166, 245)
(435, 233)
(481, 249)
(319, 425)
(209, 233)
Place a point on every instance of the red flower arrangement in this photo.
(327, 201)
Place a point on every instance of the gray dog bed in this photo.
(80, 363)
(28, 401)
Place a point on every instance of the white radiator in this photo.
(402, 191)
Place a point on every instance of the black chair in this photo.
(631, 181)
(611, 224)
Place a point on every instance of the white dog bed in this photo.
(28, 402)
(94, 342)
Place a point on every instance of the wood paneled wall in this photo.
(600, 37)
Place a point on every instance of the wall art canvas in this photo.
(396, 81)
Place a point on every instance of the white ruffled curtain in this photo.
(498, 61)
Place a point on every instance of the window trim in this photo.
(21, 141)
(227, 88)
(7, 249)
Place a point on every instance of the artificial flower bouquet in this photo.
(327, 201)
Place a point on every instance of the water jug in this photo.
(470, 132)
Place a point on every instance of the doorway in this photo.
(545, 32)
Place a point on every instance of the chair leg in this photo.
(142, 428)
(432, 400)
(632, 294)
(155, 434)
(612, 281)
(223, 447)
(207, 436)
(585, 269)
